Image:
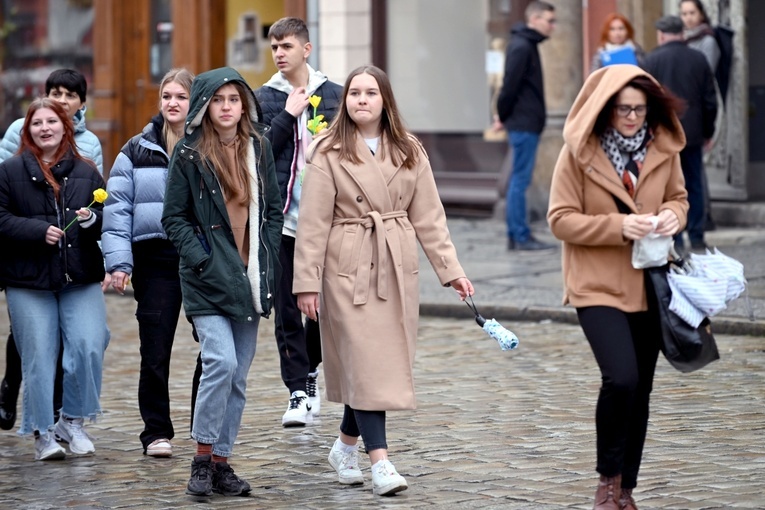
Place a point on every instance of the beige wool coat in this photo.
(356, 245)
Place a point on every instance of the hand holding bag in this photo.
(687, 348)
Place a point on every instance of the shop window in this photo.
(161, 49)
(38, 37)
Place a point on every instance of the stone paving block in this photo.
(494, 429)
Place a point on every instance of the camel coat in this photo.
(357, 246)
(597, 259)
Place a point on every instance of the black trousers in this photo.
(157, 289)
(368, 424)
(299, 345)
(626, 347)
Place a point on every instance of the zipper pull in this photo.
(68, 279)
(201, 187)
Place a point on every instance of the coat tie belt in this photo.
(374, 226)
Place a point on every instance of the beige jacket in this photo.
(597, 259)
(356, 244)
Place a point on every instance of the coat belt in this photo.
(374, 225)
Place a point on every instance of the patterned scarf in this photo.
(626, 153)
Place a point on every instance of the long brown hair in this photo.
(607, 27)
(343, 129)
(211, 149)
(67, 140)
(662, 105)
(182, 77)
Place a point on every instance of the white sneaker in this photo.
(312, 390)
(46, 447)
(298, 410)
(386, 479)
(69, 430)
(160, 448)
(346, 464)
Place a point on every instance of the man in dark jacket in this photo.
(284, 100)
(685, 72)
(521, 109)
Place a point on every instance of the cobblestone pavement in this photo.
(493, 430)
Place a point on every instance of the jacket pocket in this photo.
(597, 269)
(346, 251)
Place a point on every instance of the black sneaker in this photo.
(225, 482)
(8, 397)
(201, 481)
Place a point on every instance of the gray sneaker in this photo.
(46, 447)
(70, 430)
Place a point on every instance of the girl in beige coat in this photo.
(368, 196)
(620, 165)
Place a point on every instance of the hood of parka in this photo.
(204, 87)
(593, 97)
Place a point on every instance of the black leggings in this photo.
(626, 346)
(368, 424)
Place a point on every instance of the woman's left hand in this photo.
(463, 287)
(84, 214)
(668, 223)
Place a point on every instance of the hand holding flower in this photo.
(83, 214)
(53, 234)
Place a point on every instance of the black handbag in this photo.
(685, 347)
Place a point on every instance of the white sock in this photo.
(346, 448)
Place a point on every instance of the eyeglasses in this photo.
(624, 110)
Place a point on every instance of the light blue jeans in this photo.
(41, 320)
(524, 144)
(228, 349)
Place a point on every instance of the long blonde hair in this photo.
(182, 77)
(211, 149)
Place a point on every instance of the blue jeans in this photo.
(228, 349)
(692, 161)
(524, 144)
(42, 320)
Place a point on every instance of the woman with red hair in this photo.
(616, 44)
(51, 269)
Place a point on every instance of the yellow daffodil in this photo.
(315, 125)
(100, 195)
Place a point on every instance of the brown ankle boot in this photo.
(607, 495)
(625, 500)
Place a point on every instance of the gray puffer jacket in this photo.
(136, 186)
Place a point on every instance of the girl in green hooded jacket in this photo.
(223, 212)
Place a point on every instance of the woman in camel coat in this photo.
(618, 171)
(368, 196)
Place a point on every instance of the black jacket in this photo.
(686, 73)
(28, 207)
(283, 132)
(521, 102)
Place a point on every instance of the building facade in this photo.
(442, 56)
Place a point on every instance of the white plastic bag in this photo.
(652, 250)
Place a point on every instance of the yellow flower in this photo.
(314, 100)
(315, 125)
(100, 195)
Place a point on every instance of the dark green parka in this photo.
(214, 280)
